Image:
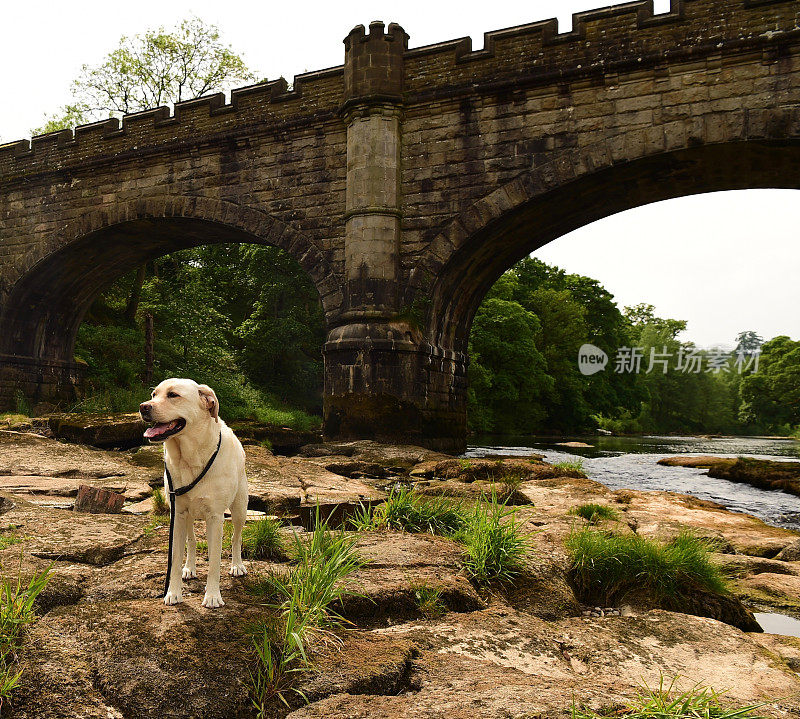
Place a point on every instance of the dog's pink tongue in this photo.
(157, 430)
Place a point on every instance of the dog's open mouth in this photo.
(162, 430)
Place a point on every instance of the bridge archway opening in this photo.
(49, 304)
(474, 267)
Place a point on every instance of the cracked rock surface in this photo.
(104, 644)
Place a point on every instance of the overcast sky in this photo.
(725, 262)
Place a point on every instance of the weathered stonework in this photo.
(404, 182)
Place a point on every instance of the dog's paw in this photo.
(238, 570)
(213, 600)
(188, 573)
(173, 598)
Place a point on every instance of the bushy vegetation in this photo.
(405, 510)
(699, 702)
(524, 378)
(244, 319)
(594, 513)
(16, 613)
(304, 604)
(607, 568)
(262, 539)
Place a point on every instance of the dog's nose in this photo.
(145, 408)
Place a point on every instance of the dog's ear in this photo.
(208, 400)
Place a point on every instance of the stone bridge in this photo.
(404, 182)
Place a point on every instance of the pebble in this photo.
(601, 612)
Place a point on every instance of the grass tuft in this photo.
(495, 548)
(160, 506)
(606, 568)
(262, 540)
(429, 599)
(406, 511)
(699, 702)
(306, 597)
(16, 613)
(572, 465)
(595, 513)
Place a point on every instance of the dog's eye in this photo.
(172, 394)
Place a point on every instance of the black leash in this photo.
(176, 493)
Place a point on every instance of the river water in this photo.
(632, 463)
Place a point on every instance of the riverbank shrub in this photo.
(607, 568)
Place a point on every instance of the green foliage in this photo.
(149, 70)
(16, 613)
(538, 316)
(160, 506)
(494, 546)
(508, 385)
(699, 702)
(606, 568)
(428, 598)
(262, 539)
(595, 513)
(406, 511)
(770, 398)
(200, 301)
(307, 594)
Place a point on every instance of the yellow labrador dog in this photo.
(185, 416)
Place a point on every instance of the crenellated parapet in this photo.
(607, 41)
(379, 66)
(314, 97)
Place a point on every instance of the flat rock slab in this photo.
(665, 514)
(41, 462)
(289, 485)
(500, 663)
(69, 486)
(137, 659)
(401, 455)
(122, 430)
(779, 591)
(64, 535)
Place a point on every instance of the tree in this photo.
(149, 70)
(748, 342)
(771, 396)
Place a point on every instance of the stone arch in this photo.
(728, 151)
(60, 278)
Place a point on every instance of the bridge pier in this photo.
(382, 381)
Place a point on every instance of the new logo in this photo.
(591, 359)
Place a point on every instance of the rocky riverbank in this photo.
(761, 473)
(105, 646)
